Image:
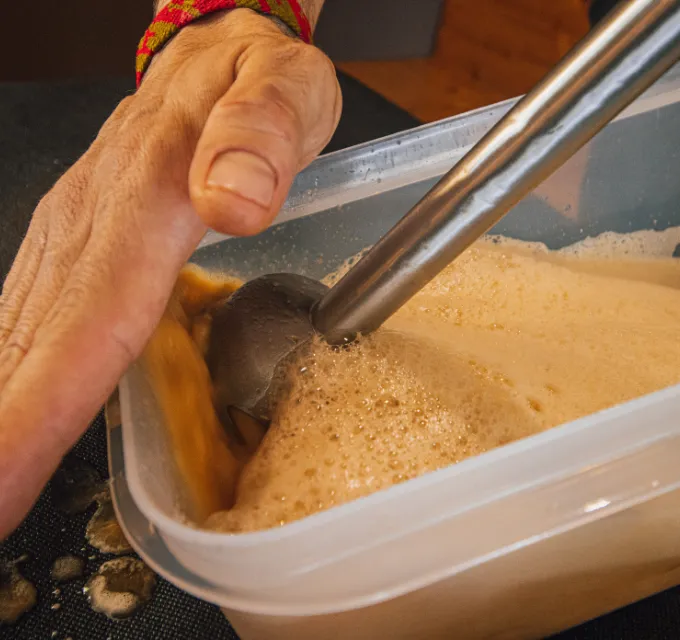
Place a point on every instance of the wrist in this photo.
(173, 17)
(220, 29)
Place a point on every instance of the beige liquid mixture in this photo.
(507, 342)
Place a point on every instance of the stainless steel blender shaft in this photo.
(614, 64)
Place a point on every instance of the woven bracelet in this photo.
(180, 13)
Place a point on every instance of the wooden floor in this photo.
(487, 51)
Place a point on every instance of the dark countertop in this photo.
(45, 128)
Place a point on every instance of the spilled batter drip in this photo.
(67, 568)
(103, 531)
(508, 341)
(17, 594)
(120, 587)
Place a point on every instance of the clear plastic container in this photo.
(520, 542)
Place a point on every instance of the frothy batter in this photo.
(507, 342)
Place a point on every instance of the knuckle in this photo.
(10, 303)
(18, 343)
(271, 96)
(119, 115)
(6, 288)
(316, 59)
(17, 332)
(71, 304)
(277, 100)
(125, 104)
(130, 164)
(309, 86)
(135, 115)
(149, 135)
(5, 328)
(267, 111)
(11, 356)
(129, 350)
(57, 262)
(148, 152)
(306, 65)
(68, 189)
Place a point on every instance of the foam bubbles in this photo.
(508, 341)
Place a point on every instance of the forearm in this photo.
(312, 9)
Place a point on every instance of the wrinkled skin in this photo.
(106, 244)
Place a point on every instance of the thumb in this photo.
(277, 116)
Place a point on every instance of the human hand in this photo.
(228, 113)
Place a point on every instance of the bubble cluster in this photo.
(508, 341)
(120, 587)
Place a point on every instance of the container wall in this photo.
(531, 593)
(626, 179)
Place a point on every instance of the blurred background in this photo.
(434, 58)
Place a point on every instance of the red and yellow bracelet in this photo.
(179, 13)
